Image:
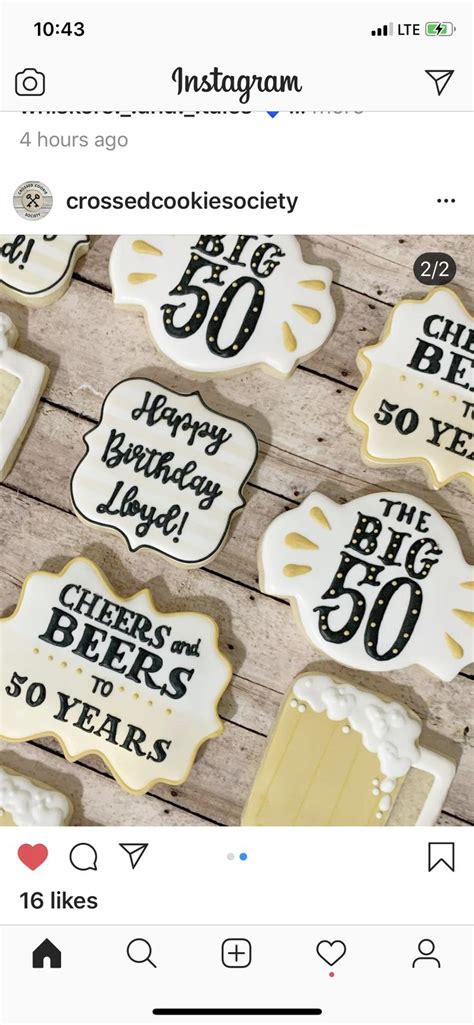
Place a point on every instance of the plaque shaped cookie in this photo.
(416, 402)
(378, 583)
(340, 755)
(24, 802)
(111, 676)
(37, 269)
(221, 303)
(164, 470)
(22, 382)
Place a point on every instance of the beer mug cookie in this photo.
(379, 583)
(26, 802)
(225, 303)
(340, 755)
(35, 270)
(416, 400)
(22, 382)
(111, 676)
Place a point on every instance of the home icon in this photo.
(46, 952)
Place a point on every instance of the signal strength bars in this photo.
(383, 30)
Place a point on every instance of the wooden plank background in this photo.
(305, 444)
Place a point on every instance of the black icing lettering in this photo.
(116, 651)
(65, 591)
(178, 687)
(456, 371)
(109, 727)
(261, 262)
(35, 694)
(429, 546)
(199, 293)
(66, 703)
(395, 543)
(210, 245)
(428, 324)
(135, 737)
(87, 647)
(365, 534)
(426, 358)
(238, 250)
(86, 715)
(249, 322)
(160, 751)
(159, 636)
(377, 613)
(144, 666)
(60, 629)
(338, 589)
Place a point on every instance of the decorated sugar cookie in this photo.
(37, 269)
(164, 470)
(111, 676)
(22, 382)
(343, 756)
(25, 802)
(416, 400)
(378, 583)
(221, 303)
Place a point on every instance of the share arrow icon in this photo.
(135, 851)
(440, 79)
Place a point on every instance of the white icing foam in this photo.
(385, 726)
(29, 804)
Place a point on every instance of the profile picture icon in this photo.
(32, 200)
(30, 82)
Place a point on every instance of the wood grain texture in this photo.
(305, 445)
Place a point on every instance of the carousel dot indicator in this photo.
(243, 856)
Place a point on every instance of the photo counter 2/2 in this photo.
(236, 500)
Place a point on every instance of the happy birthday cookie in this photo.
(22, 382)
(340, 755)
(378, 583)
(416, 401)
(164, 470)
(220, 303)
(110, 676)
(25, 802)
(35, 270)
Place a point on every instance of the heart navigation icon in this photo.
(331, 951)
(32, 855)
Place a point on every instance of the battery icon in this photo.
(439, 28)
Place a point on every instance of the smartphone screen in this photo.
(236, 487)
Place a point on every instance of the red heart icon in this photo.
(32, 856)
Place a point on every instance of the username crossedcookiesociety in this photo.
(110, 675)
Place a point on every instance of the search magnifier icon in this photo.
(139, 951)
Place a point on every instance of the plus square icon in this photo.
(236, 953)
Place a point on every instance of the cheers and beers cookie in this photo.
(26, 802)
(221, 303)
(22, 382)
(377, 583)
(35, 270)
(111, 676)
(340, 755)
(416, 400)
(164, 470)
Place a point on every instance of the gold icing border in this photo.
(154, 609)
(365, 365)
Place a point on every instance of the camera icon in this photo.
(29, 82)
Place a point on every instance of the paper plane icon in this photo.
(135, 851)
(440, 79)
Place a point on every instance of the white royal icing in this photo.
(416, 399)
(34, 267)
(110, 675)
(220, 303)
(29, 804)
(379, 583)
(31, 376)
(164, 470)
(385, 727)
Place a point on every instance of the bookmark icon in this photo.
(135, 851)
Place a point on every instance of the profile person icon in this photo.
(426, 949)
